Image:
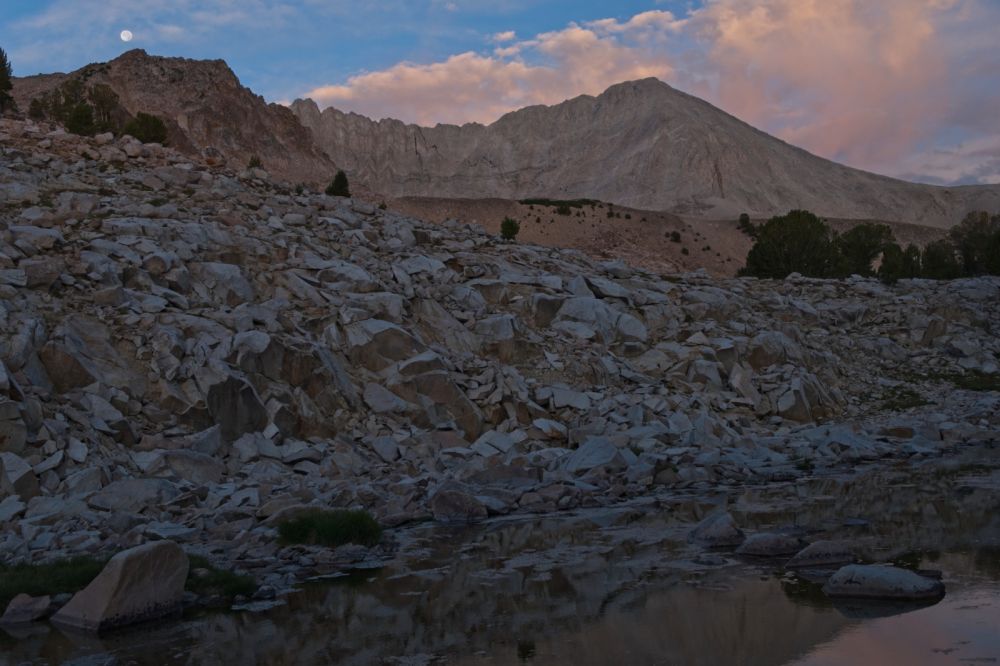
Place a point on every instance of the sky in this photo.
(907, 88)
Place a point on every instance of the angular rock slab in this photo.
(24, 608)
(453, 504)
(717, 531)
(865, 581)
(138, 584)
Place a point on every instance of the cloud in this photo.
(547, 69)
(849, 79)
(885, 86)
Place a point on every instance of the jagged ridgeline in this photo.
(641, 144)
(201, 105)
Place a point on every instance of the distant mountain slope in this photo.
(641, 144)
(204, 107)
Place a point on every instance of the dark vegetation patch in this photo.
(67, 575)
(331, 528)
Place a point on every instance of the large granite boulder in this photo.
(138, 584)
(864, 581)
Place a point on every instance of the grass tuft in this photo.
(331, 528)
(68, 575)
(217, 581)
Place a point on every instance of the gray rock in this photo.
(595, 452)
(718, 530)
(133, 495)
(24, 608)
(17, 477)
(142, 583)
(823, 553)
(769, 545)
(859, 581)
(452, 503)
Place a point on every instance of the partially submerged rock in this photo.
(823, 553)
(862, 581)
(24, 608)
(717, 531)
(138, 584)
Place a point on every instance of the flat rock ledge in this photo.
(138, 584)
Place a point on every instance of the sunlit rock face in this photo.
(641, 144)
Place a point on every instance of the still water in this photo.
(622, 586)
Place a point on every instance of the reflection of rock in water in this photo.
(933, 506)
(607, 586)
(860, 609)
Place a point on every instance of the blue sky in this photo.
(280, 49)
(908, 88)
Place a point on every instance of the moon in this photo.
(126, 35)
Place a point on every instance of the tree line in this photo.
(800, 242)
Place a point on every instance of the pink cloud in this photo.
(873, 84)
(471, 87)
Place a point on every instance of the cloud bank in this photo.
(904, 87)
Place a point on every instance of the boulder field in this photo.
(189, 353)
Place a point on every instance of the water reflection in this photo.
(621, 586)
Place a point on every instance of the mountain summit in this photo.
(640, 143)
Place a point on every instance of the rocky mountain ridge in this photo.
(192, 353)
(641, 144)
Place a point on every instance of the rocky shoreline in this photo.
(193, 354)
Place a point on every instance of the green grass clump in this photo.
(68, 575)
(976, 381)
(331, 528)
(217, 581)
(901, 398)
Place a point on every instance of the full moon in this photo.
(126, 35)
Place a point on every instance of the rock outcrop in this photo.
(206, 109)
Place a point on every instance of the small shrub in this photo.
(255, 163)
(339, 187)
(628, 216)
(146, 128)
(383, 206)
(509, 228)
(331, 528)
(684, 250)
(563, 209)
(746, 226)
(675, 236)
